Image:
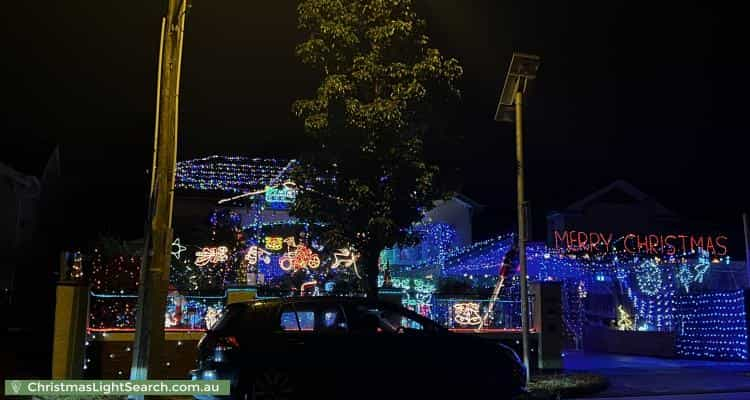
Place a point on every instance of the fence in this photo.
(468, 313)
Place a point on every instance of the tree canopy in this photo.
(381, 103)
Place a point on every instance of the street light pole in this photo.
(522, 232)
(154, 278)
(522, 70)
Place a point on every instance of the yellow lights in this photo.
(212, 317)
(298, 257)
(624, 320)
(274, 243)
(467, 314)
(255, 253)
(345, 258)
(211, 255)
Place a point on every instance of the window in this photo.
(387, 320)
(399, 322)
(300, 320)
(332, 320)
(306, 320)
(289, 321)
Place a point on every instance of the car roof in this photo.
(309, 300)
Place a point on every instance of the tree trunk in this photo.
(372, 269)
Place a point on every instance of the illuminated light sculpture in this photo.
(177, 248)
(345, 258)
(212, 317)
(467, 314)
(306, 285)
(283, 195)
(230, 174)
(274, 243)
(700, 271)
(703, 264)
(298, 257)
(649, 278)
(685, 276)
(624, 320)
(212, 255)
(255, 253)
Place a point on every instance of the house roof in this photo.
(230, 174)
(29, 183)
(619, 191)
(467, 201)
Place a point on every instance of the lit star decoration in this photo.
(177, 248)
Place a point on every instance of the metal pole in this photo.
(522, 233)
(747, 243)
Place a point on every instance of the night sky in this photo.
(647, 92)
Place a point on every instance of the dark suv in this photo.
(337, 347)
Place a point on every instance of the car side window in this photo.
(400, 322)
(332, 319)
(289, 320)
(297, 319)
(306, 320)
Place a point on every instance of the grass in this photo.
(566, 385)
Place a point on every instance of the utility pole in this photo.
(522, 232)
(154, 279)
(522, 70)
(747, 243)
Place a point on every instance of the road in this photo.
(704, 396)
(664, 379)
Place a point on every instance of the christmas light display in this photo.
(212, 317)
(467, 314)
(282, 195)
(651, 244)
(298, 256)
(255, 253)
(712, 325)
(656, 293)
(685, 276)
(230, 174)
(213, 255)
(649, 278)
(274, 243)
(117, 311)
(177, 248)
(76, 266)
(114, 273)
(624, 321)
(345, 258)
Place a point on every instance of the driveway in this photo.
(648, 376)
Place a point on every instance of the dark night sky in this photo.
(651, 93)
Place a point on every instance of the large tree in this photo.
(379, 109)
